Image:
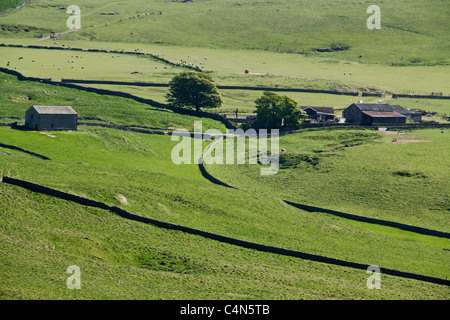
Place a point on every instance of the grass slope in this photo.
(17, 96)
(285, 26)
(96, 163)
(355, 171)
(360, 172)
(6, 5)
(228, 67)
(115, 256)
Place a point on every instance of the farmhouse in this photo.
(51, 118)
(320, 113)
(368, 114)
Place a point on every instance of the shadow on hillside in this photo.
(20, 127)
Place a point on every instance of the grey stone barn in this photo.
(51, 118)
(372, 114)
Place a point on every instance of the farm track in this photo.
(225, 239)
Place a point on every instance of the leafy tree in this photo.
(275, 111)
(193, 90)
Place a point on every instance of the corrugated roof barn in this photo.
(378, 114)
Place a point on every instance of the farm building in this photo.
(320, 113)
(409, 114)
(368, 114)
(51, 118)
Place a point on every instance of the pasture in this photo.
(148, 183)
(226, 66)
(17, 96)
(284, 26)
(397, 177)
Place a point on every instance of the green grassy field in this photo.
(244, 100)
(99, 169)
(97, 66)
(157, 264)
(6, 5)
(226, 66)
(285, 26)
(361, 172)
(17, 96)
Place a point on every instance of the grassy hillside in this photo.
(396, 177)
(226, 66)
(6, 5)
(115, 255)
(17, 96)
(284, 26)
(93, 163)
(311, 44)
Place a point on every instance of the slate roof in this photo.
(377, 107)
(54, 110)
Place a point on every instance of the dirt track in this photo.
(59, 34)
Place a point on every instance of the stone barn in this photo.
(368, 114)
(51, 118)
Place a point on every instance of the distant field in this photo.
(227, 67)
(244, 100)
(157, 188)
(58, 64)
(283, 26)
